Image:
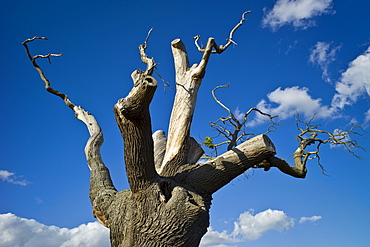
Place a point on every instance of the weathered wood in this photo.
(160, 141)
(133, 118)
(216, 173)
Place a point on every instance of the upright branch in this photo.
(233, 128)
(188, 81)
(133, 119)
(100, 180)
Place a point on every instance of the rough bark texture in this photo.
(170, 195)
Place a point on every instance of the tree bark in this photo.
(170, 195)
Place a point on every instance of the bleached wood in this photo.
(188, 80)
(214, 174)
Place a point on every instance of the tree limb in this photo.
(133, 119)
(188, 81)
(101, 186)
(216, 173)
(309, 136)
(236, 134)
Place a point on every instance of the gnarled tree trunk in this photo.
(170, 194)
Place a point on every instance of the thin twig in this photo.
(221, 48)
(41, 72)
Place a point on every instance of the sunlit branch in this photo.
(221, 48)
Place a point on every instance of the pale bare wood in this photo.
(214, 174)
(188, 81)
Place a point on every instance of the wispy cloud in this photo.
(354, 82)
(298, 13)
(11, 178)
(323, 54)
(310, 219)
(16, 231)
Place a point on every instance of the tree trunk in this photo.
(175, 211)
(170, 195)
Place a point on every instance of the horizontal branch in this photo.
(214, 174)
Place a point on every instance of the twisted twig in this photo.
(41, 73)
(221, 48)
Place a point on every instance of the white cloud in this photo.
(215, 238)
(298, 13)
(354, 83)
(289, 101)
(16, 231)
(310, 219)
(249, 227)
(252, 227)
(10, 178)
(322, 54)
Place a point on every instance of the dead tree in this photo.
(170, 194)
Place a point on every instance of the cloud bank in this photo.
(16, 231)
(298, 13)
(251, 227)
(11, 178)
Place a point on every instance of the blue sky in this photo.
(307, 56)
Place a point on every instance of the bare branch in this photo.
(309, 135)
(233, 129)
(100, 180)
(148, 61)
(41, 73)
(221, 48)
